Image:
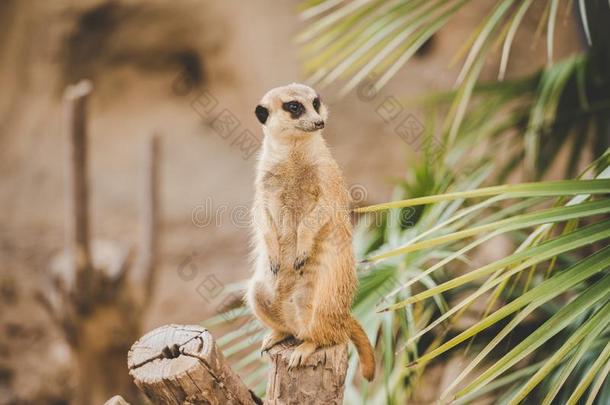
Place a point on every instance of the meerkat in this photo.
(305, 274)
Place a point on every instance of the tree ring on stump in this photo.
(177, 364)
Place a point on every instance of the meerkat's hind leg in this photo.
(272, 338)
(300, 354)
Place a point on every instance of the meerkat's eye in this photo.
(295, 108)
(316, 104)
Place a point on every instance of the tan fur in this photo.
(301, 215)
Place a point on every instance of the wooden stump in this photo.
(320, 381)
(179, 364)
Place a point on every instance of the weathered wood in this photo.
(320, 380)
(77, 192)
(181, 364)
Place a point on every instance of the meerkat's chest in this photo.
(292, 186)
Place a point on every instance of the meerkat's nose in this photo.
(319, 124)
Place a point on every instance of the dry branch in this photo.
(150, 209)
(77, 192)
(145, 271)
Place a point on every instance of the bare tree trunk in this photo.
(180, 364)
(97, 296)
(100, 360)
(77, 191)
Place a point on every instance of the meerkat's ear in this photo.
(261, 113)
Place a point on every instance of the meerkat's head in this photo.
(291, 111)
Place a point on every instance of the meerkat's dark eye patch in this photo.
(295, 108)
(316, 104)
(261, 113)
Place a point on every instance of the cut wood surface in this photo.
(181, 364)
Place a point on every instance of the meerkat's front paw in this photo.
(300, 261)
(273, 338)
(300, 354)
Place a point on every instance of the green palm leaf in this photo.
(540, 189)
(557, 322)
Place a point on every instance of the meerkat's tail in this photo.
(364, 349)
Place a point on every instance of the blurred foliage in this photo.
(552, 291)
(542, 310)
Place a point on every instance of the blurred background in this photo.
(154, 67)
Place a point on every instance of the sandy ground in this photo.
(235, 51)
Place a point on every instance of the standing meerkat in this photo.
(305, 274)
